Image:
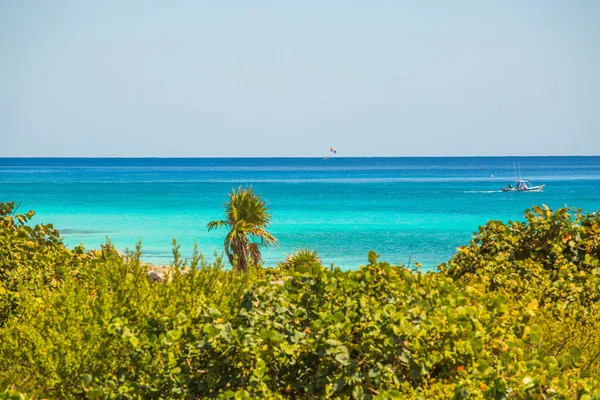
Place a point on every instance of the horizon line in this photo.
(288, 157)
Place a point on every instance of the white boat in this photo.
(522, 185)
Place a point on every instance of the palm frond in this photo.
(217, 224)
(265, 237)
(254, 252)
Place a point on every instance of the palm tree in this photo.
(247, 218)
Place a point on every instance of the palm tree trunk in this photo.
(238, 256)
(229, 254)
(243, 261)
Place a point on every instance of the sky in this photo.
(293, 78)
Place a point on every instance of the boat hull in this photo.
(532, 189)
(539, 188)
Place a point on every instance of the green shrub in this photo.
(32, 257)
(551, 256)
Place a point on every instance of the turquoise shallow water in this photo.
(417, 209)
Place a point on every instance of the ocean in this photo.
(407, 209)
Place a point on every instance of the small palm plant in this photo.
(247, 218)
(301, 257)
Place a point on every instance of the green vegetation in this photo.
(301, 257)
(247, 218)
(552, 257)
(513, 315)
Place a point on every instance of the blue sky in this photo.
(273, 78)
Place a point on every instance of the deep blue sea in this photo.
(406, 209)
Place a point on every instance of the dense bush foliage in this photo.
(551, 256)
(31, 257)
(93, 325)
